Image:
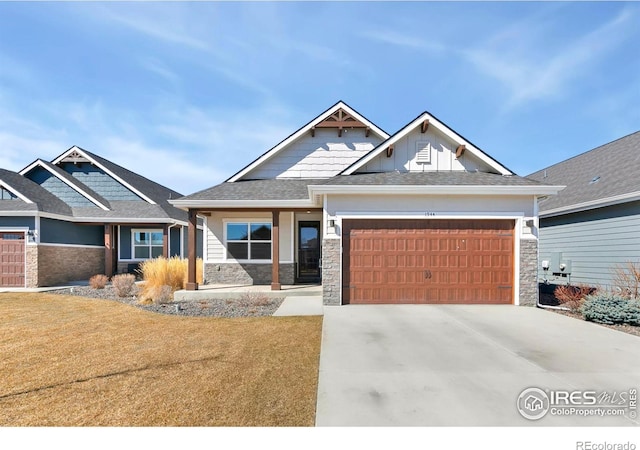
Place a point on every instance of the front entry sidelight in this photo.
(308, 252)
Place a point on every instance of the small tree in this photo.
(626, 279)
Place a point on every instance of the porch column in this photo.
(192, 285)
(165, 240)
(108, 250)
(275, 249)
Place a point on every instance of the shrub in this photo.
(171, 272)
(572, 297)
(611, 309)
(626, 278)
(124, 284)
(98, 281)
(159, 294)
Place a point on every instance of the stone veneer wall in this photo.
(246, 273)
(32, 266)
(58, 264)
(528, 271)
(331, 272)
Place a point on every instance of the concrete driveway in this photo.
(441, 365)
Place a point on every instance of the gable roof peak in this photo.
(355, 118)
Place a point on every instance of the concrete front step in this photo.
(235, 291)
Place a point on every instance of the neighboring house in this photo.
(594, 224)
(422, 216)
(81, 215)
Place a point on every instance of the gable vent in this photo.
(423, 152)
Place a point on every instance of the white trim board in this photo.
(15, 192)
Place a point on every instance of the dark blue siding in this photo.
(15, 222)
(58, 188)
(100, 182)
(125, 242)
(60, 232)
(174, 240)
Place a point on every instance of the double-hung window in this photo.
(249, 241)
(147, 244)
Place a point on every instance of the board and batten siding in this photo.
(437, 153)
(321, 156)
(594, 241)
(216, 251)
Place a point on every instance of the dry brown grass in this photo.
(69, 361)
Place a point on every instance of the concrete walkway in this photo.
(301, 306)
(236, 290)
(456, 365)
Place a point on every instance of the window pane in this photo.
(140, 238)
(141, 253)
(261, 231)
(238, 250)
(237, 231)
(156, 251)
(260, 251)
(156, 238)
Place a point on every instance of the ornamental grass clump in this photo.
(98, 281)
(163, 276)
(611, 309)
(124, 284)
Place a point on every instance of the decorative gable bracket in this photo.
(341, 120)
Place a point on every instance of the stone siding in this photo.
(58, 264)
(32, 266)
(528, 271)
(331, 272)
(246, 273)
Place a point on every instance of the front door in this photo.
(308, 252)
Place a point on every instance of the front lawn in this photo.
(70, 361)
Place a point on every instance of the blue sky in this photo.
(188, 93)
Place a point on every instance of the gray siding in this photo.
(99, 181)
(15, 222)
(60, 232)
(58, 188)
(594, 241)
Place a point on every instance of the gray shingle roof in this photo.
(273, 189)
(42, 199)
(453, 178)
(609, 170)
(296, 189)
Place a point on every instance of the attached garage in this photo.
(428, 261)
(12, 259)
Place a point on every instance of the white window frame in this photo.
(249, 222)
(150, 246)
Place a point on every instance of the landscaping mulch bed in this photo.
(249, 305)
(548, 299)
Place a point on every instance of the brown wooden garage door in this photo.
(12, 259)
(428, 261)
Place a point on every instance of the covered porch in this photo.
(253, 249)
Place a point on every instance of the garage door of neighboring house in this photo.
(12, 259)
(428, 261)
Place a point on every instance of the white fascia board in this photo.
(96, 220)
(72, 186)
(15, 192)
(275, 150)
(444, 130)
(113, 175)
(231, 204)
(435, 190)
(600, 203)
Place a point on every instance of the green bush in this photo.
(611, 309)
